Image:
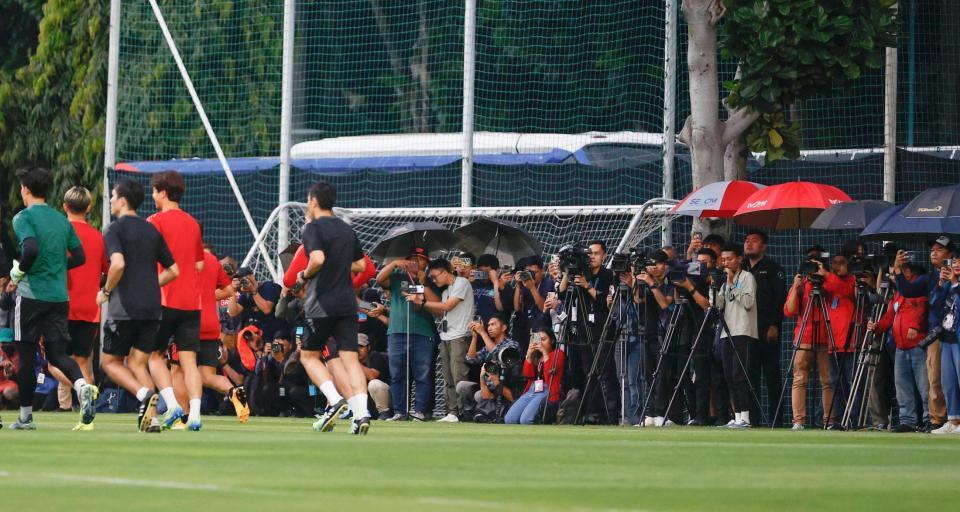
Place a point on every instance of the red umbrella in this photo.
(793, 205)
(718, 199)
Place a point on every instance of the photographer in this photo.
(815, 345)
(840, 310)
(255, 302)
(496, 386)
(656, 298)
(269, 395)
(907, 317)
(925, 284)
(771, 294)
(410, 330)
(595, 282)
(455, 311)
(488, 289)
(376, 368)
(543, 369)
(946, 300)
(629, 350)
(696, 383)
(737, 298)
(530, 291)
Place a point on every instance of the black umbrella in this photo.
(852, 215)
(507, 240)
(396, 243)
(934, 212)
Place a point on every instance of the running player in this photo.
(180, 321)
(83, 282)
(48, 247)
(134, 248)
(333, 253)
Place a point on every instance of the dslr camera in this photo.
(506, 359)
(412, 289)
(243, 274)
(810, 267)
(574, 258)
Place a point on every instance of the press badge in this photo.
(948, 322)
(836, 302)
(590, 318)
(41, 378)
(538, 386)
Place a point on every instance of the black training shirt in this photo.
(330, 291)
(137, 296)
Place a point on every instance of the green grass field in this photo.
(277, 465)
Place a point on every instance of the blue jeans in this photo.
(526, 410)
(631, 395)
(950, 377)
(910, 375)
(421, 354)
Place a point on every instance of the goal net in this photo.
(619, 227)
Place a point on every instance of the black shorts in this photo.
(181, 327)
(83, 338)
(119, 336)
(331, 335)
(209, 353)
(34, 319)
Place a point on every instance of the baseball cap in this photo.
(945, 241)
(420, 251)
(362, 340)
(659, 256)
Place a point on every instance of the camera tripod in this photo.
(572, 324)
(613, 328)
(816, 300)
(868, 356)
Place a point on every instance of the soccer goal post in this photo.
(619, 226)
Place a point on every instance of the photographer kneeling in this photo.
(543, 369)
(499, 374)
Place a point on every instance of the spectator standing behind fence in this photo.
(409, 333)
(907, 320)
(924, 286)
(543, 369)
(454, 311)
(771, 294)
(738, 300)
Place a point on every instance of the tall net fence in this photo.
(370, 67)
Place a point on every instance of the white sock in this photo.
(330, 391)
(142, 393)
(358, 404)
(78, 384)
(737, 416)
(169, 398)
(745, 415)
(194, 409)
(25, 413)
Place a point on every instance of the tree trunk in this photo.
(706, 131)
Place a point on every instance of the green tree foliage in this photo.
(789, 50)
(51, 109)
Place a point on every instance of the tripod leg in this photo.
(793, 358)
(753, 393)
(686, 365)
(665, 346)
(841, 374)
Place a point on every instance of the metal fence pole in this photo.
(286, 118)
(469, 68)
(110, 137)
(890, 127)
(669, 107)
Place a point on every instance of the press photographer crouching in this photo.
(543, 369)
(582, 268)
(500, 378)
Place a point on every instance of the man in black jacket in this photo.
(771, 293)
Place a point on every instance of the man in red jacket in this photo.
(908, 319)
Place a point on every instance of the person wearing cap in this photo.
(925, 285)
(656, 300)
(771, 294)
(376, 367)
(409, 332)
(738, 300)
(906, 318)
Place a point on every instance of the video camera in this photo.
(622, 261)
(680, 271)
(506, 359)
(574, 258)
(810, 267)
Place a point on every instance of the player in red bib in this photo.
(180, 322)
(83, 282)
